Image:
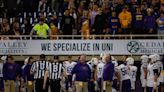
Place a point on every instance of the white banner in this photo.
(76, 47)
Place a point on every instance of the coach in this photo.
(108, 73)
(83, 75)
(38, 69)
(11, 71)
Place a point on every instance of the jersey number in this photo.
(69, 69)
(100, 71)
(55, 68)
(124, 72)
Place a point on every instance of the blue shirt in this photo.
(11, 71)
(113, 23)
(149, 22)
(82, 71)
(26, 73)
(108, 72)
(138, 20)
(161, 27)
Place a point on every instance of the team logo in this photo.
(133, 47)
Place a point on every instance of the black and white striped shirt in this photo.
(55, 70)
(39, 68)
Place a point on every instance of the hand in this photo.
(73, 82)
(151, 30)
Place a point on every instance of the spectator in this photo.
(54, 30)
(113, 23)
(161, 7)
(71, 4)
(53, 19)
(11, 72)
(5, 27)
(16, 29)
(41, 29)
(138, 19)
(108, 73)
(93, 13)
(83, 75)
(26, 26)
(119, 4)
(67, 23)
(149, 22)
(85, 25)
(11, 6)
(125, 18)
(100, 18)
(42, 5)
(160, 22)
(73, 13)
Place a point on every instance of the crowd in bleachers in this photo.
(76, 17)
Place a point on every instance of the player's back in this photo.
(123, 71)
(150, 75)
(133, 73)
(69, 66)
(142, 70)
(100, 68)
(160, 68)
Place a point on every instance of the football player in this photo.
(69, 65)
(99, 72)
(160, 68)
(152, 74)
(132, 72)
(92, 83)
(124, 77)
(143, 70)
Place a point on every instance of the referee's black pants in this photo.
(39, 86)
(55, 85)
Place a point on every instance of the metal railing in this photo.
(57, 37)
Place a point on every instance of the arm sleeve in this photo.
(4, 71)
(33, 67)
(89, 73)
(112, 71)
(18, 70)
(47, 27)
(74, 70)
(35, 27)
(24, 73)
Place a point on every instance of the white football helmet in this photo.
(144, 59)
(130, 61)
(152, 58)
(26, 60)
(157, 56)
(4, 58)
(103, 58)
(115, 63)
(95, 61)
(112, 58)
(101, 55)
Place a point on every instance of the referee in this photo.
(38, 69)
(55, 72)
